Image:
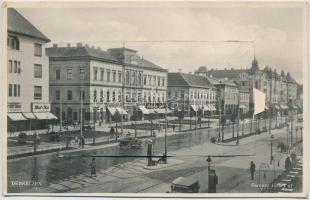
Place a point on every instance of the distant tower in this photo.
(201, 71)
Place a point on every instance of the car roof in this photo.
(184, 181)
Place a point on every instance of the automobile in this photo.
(130, 143)
(185, 185)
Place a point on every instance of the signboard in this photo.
(14, 107)
(40, 107)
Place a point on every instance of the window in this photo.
(139, 78)
(15, 90)
(37, 92)
(108, 96)
(82, 74)
(13, 42)
(95, 95)
(119, 97)
(95, 73)
(37, 71)
(119, 76)
(101, 96)
(82, 95)
(144, 79)
(154, 80)
(69, 95)
(69, 111)
(15, 66)
(127, 78)
(102, 74)
(163, 81)
(114, 76)
(57, 74)
(10, 90)
(108, 75)
(69, 74)
(158, 81)
(18, 68)
(57, 94)
(133, 78)
(38, 49)
(10, 66)
(113, 96)
(150, 80)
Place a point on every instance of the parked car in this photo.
(130, 143)
(185, 185)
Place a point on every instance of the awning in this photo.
(121, 111)
(45, 115)
(277, 107)
(160, 110)
(206, 108)
(212, 107)
(195, 107)
(144, 110)
(242, 106)
(151, 111)
(283, 107)
(112, 110)
(16, 116)
(29, 115)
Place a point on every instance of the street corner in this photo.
(170, 163)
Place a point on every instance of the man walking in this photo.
(252, 170)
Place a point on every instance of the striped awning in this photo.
(29, 115)
(206, 108)
(212, 107)
(112, 110)
(144, 110)
(242, 106)
(45, 115)
(16, 116)
(195, 107)
(121, 111)
(151, 111)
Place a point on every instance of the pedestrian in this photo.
(93, 168)
(294, 158)
(288, 163)
(252, 170)
(173, 127)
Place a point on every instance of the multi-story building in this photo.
(228, 94)
(102, 83)
(28, 81)
(192, 92)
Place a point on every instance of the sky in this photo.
(182, 38)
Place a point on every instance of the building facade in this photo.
(28, 81)
(192, 92)
(95, 84)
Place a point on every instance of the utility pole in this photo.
(166, 131)
(81, 115)
(270, 99)
(238, 117)
(60, 110)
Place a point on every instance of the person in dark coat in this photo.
(93, 168)
(173, 127)
(288, 163)
(252, 170)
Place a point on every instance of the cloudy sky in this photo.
(182, 38)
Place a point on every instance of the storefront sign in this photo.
(41, 107)
(14, 107)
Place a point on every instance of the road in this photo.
(51, 170)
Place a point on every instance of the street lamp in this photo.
(271, 157)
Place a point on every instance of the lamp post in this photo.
(271, 157)
(209, 163)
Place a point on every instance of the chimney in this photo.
(68, 45)
(79, 44)
(55, 45)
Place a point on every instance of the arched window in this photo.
(113, 96)
(95, 95)
(139, 79)
(127, 77)
(108, 96)
(69, 95)
(133, 78)
(101, 96)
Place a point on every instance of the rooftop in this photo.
(20, 25)
(186, 80)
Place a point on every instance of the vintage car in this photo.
(185, 185)
(130, 143)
